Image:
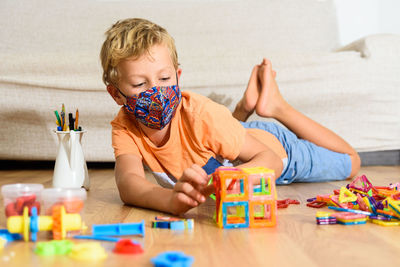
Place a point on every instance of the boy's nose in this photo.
(152, 84)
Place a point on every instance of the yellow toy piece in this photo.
(59, 223)
(3, 242)
(366, 201)
(394, 205)
(323, 214)
(386, 223)
(88, 251)
(346, 195)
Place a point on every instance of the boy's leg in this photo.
(246, 106)
(271, 104)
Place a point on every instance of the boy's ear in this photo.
(113, 91)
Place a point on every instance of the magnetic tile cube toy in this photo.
(245, 197)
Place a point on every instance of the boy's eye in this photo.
(138, 85)
(165, 79)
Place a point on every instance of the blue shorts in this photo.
(307, 162)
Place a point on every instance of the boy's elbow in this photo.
(355, 164)
(123, 195)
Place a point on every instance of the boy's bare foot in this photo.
(247, 104)
(270, 99)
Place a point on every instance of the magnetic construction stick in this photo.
(100, 238)
(118, 229)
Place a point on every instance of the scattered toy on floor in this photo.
(358, 202)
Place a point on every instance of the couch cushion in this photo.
(48, 44)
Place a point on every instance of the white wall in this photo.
(358, 18)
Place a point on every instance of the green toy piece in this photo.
(55, 247)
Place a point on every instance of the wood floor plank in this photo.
(295, 241)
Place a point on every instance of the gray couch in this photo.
(49, 53)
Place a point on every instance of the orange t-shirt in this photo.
(200, 129)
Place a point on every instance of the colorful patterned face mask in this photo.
(154, 107)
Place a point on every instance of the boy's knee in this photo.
(355, 164)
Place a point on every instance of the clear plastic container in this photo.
(17, 196)
(72, 199)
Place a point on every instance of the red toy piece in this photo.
(126, 246)
(10, 210)
(282, 204)
(16, 208)
(316, 204)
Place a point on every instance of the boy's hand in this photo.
(190, 190)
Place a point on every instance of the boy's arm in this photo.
(255, 154)
(134, 189)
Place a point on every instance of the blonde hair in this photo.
(132, 38)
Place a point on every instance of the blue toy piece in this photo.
(173, 224)
(101, 238)
(118, 229)
(178, 225)
(161, 224)
(4, 233)
(172, 259)
(34, 226)
(225, 206)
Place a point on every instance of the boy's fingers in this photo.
(194, 176)
(183, 198)
(190, 191)
(208, 190)
(200, 172)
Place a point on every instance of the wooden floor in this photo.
(295, 241)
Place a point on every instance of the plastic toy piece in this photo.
(325, 218)
(55, 247)
(349, 218)
(379, 217)
(89, 251)
(245, 197)
(172, 223)
(394, 205)
(172, 258)
(377, 202)
(267, 213)
(316, 204)
(352, 222)
(282, 204)
(386, 223)
(74, 205)
(16, 208)
(365, 187)
(389, 214)
(162, 225)
(59, 223)
(119, 229)
(3, 242)
(9, 237)
(126, 246)
(346, 195)
(352, 211)
(235, 221)
(98, 237)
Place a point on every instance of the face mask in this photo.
(154, 107)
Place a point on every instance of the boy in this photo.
(179, 135)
